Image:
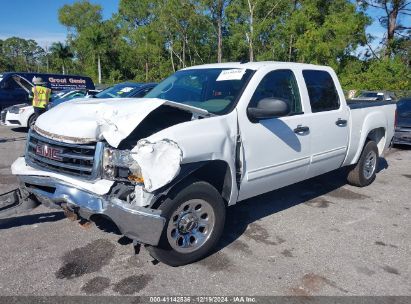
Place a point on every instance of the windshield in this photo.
(118, 90)
(214, 90)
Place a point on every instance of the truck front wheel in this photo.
(195, 217)
(364, 172)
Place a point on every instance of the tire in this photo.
(195, 216)
(364, 172)
(31, 121)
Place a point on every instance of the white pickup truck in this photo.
(165, 167)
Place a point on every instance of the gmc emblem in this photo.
(49, 152)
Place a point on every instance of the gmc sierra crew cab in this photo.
(164, 168)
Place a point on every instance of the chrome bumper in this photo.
(138, 223)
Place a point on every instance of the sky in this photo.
(38, 20)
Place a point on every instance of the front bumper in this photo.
(138, 223)
(12, 120)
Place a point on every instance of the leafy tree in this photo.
(391, 12)
(216, 10)
(325, 31)
(61, 52)
(95, 41)
(250, 25)
(89, 35)
(80, 15)
(21, 54)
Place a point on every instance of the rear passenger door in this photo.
(329, 121)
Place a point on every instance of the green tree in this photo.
(89, 36)
(322, 31)
(95, 41)
(250, 25)
(391, 12)
(22, 55)
(80, 15)
(62, 52)
(216, 9)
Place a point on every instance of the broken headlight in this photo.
(120, 165)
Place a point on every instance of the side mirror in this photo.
(268, 108)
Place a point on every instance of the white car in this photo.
(164, 168)
(22, 115)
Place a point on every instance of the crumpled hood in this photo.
(89, 120)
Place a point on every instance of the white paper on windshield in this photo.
(126, 89)
(232, 74)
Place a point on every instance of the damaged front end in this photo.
(151, 165)
(86, 179)
(138, 223)
(121, 167)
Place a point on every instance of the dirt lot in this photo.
(319, 237)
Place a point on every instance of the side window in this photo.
(279, 84)
(321, 90)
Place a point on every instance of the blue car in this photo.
(121, 90)
(402, 134)
(126, 89)
(64, 96)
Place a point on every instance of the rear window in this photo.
(321, 90)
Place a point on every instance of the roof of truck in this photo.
(255, 65)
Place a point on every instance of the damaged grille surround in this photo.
(74, 160)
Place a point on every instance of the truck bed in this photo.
(367, 116)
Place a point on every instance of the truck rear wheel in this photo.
(195, 217)
(364, 171)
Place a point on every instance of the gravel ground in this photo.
(319, 237)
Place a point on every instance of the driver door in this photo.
(276, 151)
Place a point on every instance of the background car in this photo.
(15, 86)
(70, 94)
(403, 122)
(376, 96)
(126, 89)
(22, 115)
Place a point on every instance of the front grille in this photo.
(3, 116)
(80, 160)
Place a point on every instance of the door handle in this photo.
(341, 122)
(301, 129)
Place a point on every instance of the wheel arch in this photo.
(373, 128)
(215, 172)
